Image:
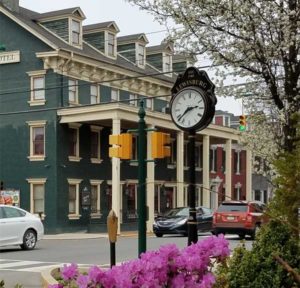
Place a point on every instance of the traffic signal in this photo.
(242, 126)
(160, 145)
(124, 143)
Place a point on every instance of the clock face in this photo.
(188, 108)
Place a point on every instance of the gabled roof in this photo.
(109, 25)
(184, 57)
(75, 11)
(133, 38)
(27, 19)
(164, 46)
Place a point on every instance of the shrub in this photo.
(190, 267)
(257, 268)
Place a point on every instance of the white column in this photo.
(228, 170)
(116, 189)
(150, 184)
(180, 168)
(205, 174)
(249, 175)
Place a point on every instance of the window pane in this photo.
(94, 198)
(72, 199)
(38, 140)
(72, 141)
(38, 191)
(72, 90)
(38, 83)
(75, 32)
(94, 144)
(94, 94)
(111, 44)
(114, 95)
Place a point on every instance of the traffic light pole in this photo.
(141, 179)
(192, 221)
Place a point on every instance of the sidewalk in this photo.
(85, 235)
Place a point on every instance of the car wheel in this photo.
(242, 236)
(29, 240)
(158, 234)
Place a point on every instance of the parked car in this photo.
(175, 221)
(239, 217)
(19, 227)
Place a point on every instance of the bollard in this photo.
(112, 229)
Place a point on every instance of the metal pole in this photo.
(142, 179)
(192, 222)
(112, 246)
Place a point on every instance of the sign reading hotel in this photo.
(9, 57)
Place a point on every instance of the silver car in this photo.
(19, 227)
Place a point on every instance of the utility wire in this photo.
(100, 82)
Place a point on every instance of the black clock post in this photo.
(192, 109)
(192, 222)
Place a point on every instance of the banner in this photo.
(10, 197)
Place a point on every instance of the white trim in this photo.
(75, 87)
(76, 182)
(32, 182)
(97, 129)
(32, 125)
(76, 157)
(97, 183)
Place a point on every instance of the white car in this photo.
(19, 227)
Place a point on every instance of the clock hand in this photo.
(186, 110)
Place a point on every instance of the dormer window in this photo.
(66, 24)
(141, 55)
(75, 32)
(111, 38)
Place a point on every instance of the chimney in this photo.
(12, 5)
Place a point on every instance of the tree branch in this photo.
(288, 268)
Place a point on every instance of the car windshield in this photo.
(233, 208)
(178, 212)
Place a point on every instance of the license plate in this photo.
(230, 218)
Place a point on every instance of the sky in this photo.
(129, 19)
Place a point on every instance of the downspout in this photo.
(62, 79)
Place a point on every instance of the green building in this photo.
(64, 88)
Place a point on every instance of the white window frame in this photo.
(32, 125)
(73, 89)
(34, 75)
(149, 103)
(75, 182)
(140, 57)
(71, 21)
(32, 182)
(113, 44)
(97, 183)
(114, 92)
(95, 96)
(97, 129)
(133, 99)
(75, 158)
(167, 63)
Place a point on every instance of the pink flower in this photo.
(69, 272)
(83, 281)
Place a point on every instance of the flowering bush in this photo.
(168, 267)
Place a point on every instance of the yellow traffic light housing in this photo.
(124, 143)
(160, 145)
(242, 126)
